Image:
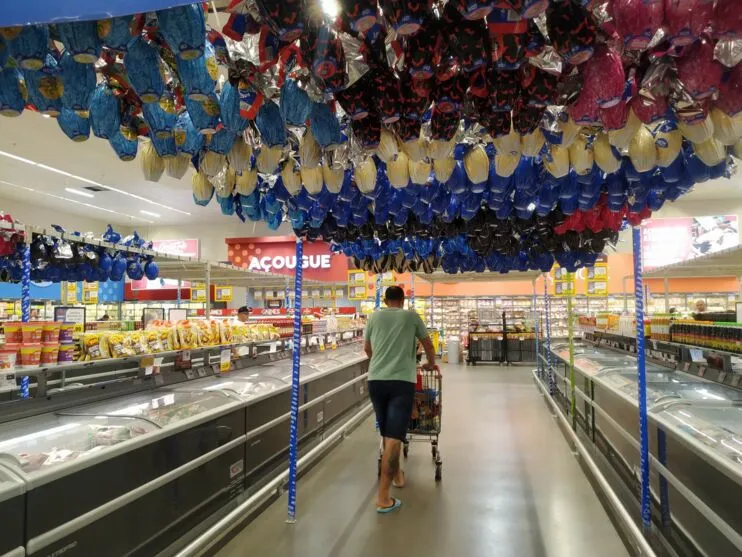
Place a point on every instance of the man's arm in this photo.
(367, 338)
(421, 332)
(367, 348)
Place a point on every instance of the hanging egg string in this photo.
(391, 111)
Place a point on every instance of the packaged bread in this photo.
(225, 332)
(154, 342)
(94, 346)
(118, 344)
(187, 335)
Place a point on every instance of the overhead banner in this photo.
(56, 11)
(672, 240)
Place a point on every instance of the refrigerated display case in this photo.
(12, 509)
(133, 474)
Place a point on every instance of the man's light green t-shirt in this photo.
(393, 334)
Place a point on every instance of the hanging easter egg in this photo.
(81, 39)
(270, 124)
(204, 116)
(622, 138)
(697, 132)
(711, 152)
(312, 179)
(324, 125)
(649, 110)
(365, 175)
(333, 177)
(727, 20)
(152, 164)
(606, 156)
(161, 124)
(116, 33)
(143, 68)
(642, 151)
(229, 104)
(27, 45)
(12, 99)
(45, 87)
(240, 155)
(727, 130)
(405, 16)
(532, 143)
(202, 188)
(568, 130)
(476, 164)
(419, 172)
(268, 159)
(165, 147)
(295, 103)
(698, 71)
(398, 171)
(177, 166)
(506, 163)
(388, 147)
(683, 21)
(443, 168)
(105, 118)
(125, 149)
(581, 156)
(184, 30)
(79, 82)
(246, 182)
(291, 176)
(221, 142)
(556, 161)
(74, 126)
(637, 21)
(199, 75)
(310, 153)
(668, 143)
(572, 31)
(187, 138)
(211, 163)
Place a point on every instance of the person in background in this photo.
(243, 314)
(700, 306)
(105, 317)
(390, 342)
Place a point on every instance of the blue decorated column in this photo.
(25, 301)
(378, 292)
(536, 331)
(642, 379)
(552, 382)
(412, 292)
(296, 365)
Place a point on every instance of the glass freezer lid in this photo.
(161, 407)
(245, 387)
(718, 427)
(11, 485)
(36, 445)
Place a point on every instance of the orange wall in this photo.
(620, 265)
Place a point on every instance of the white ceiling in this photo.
(39, 139)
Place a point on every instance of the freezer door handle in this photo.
(255, 443)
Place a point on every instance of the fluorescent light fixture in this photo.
(330, 7)
(149, 213)
(91, 182)
(79, 192)
(69, 200)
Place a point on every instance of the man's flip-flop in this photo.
(404, 482)
(393, 507)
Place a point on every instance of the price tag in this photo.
(696, 355)
(201, 371)
(225, 360)
(159, 380)
(701, 371)
(190, 374)
(321, 343)
(183, 360)
(735, 380)
(686, 366)
(147, 363)
(722, 376)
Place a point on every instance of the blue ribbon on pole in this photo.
(296, 366)
(25, 301)
(179, 294)
(54, 11)
(412, 292)
(378, 292)
(539, 367)
(552, 379)
(642, 379)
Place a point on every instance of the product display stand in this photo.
(646, 500)
(296, 361)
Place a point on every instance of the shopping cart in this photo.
(427, 412)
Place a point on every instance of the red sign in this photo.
(185, 248)
(278, 255)
(668, 241)
(281, 312)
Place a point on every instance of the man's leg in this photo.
(389, 470)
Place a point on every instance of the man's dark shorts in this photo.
(392, 402)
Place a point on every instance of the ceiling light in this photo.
(75, 201)
(150, 213)
(79, 192)
(91, 182)
(330, 7)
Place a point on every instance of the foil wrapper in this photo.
(548, 61)
(569, 88)
(728, 52)
(355, 61)
(541, 24)
(339, 158)
(656, 78)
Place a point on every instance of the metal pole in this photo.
(625, 297)
(412, 292)
(25, 299)
(571, 337)
(642, 377)
(535, 329)
(208, 290)
(667, 295)
(378, 292)
(552, 379)
(179, 285)
(287, 295)
(296, 366)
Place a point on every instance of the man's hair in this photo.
(394, 294)
(243, 309)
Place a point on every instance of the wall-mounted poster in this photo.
(672, 240)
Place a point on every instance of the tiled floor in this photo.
(510, 488)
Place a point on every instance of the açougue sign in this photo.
(280, 262)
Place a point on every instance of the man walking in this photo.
(391, 344)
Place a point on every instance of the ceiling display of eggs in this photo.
(408, 132)
(56, 259)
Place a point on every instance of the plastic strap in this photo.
(296, 365)
(25, 302)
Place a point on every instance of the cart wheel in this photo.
(438, 472)
(406, 449)
(434, 450)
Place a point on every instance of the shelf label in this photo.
(696, 355)
(198, 292)
(222, 293)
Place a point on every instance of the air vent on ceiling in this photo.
(95, 188)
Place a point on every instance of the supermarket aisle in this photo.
(510, 488)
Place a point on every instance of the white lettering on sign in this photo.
(289, 262)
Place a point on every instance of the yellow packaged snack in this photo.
(139, 342)
(94, 346)
(154, 343)
(116, 345)
(187, 335)
(215, 332)
(166, 338)
(225, 332)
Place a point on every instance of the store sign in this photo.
(278, 255)
(357, 285)
(198, 292)
(596, 282)
(182, 248)
(222, 293)
(70, 293)
(672, 240)
(90, 292)
(564, 282)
